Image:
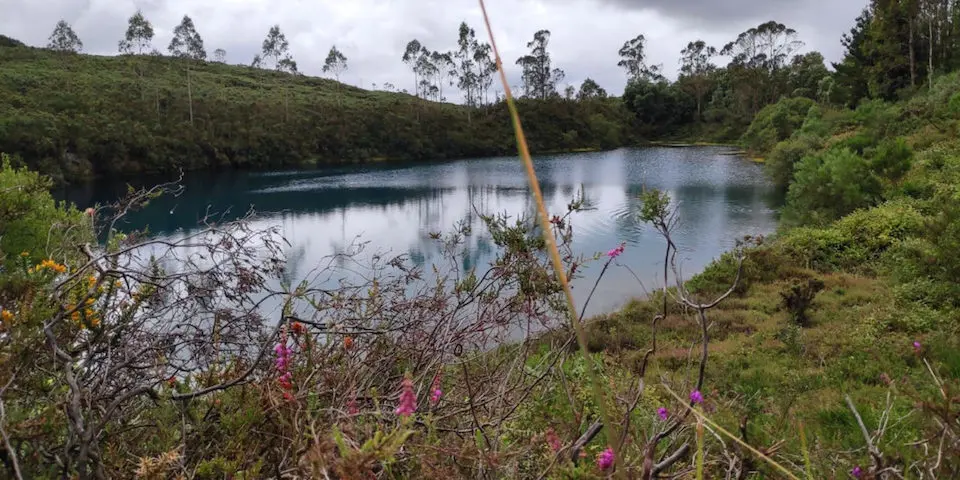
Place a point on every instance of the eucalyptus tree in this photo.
(64, 39)
(539, 80)
(336, 63)
(186, 42)
(758, 57)
(468, 80)
(632, 57)
(590, 89)
(413, 56)
(444, 69)
(276, 49)
(139, 35)
(696, 71)
(486, 68)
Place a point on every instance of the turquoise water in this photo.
(720, 198)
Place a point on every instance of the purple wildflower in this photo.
(605, 459)
(856, 472)
(408, 401)
(663, 413)
(696, 396)
(917, 347)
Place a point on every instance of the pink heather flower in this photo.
(617, 251)
(663, 413)
(88, 212)
(437, 392)
(917, 347)
(553, 440)
(283, 366)
(352, 407)
(856, 472)
(408, 401)
(605, 459)
(696, 396)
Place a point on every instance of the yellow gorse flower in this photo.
(52, 265)
(6, 316)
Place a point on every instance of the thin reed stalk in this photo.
(524, 151)
(733, 437)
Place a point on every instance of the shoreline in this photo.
(381, 161)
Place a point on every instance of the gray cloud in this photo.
(586, 34)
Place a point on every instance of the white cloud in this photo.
(586, 34)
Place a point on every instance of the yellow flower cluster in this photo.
(6, 316)
(51, 265)
(84, 317)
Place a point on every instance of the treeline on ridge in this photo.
(79, 116)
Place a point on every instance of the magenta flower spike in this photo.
(408, 401)
(605, 459)
(617, 251)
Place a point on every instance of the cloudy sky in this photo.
(586, 34)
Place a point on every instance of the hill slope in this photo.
(79, 116)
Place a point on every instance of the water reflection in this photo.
(720, 198)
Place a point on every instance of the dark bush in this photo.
(798, 298)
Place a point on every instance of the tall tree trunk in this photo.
(699, 113)
(913, 61)
(190, 95)
(930, 55)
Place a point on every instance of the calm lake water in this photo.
(720, 197)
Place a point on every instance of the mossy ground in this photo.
(765, 369)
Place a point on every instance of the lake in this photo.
(720, 198)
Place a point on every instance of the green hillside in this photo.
(78, 116)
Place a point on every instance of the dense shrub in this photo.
(798, 297)
(828, 185)
(855, 241)
(782, 160)
(879, 117)
(775, 123)
(928, 267)
(762, 263)
(891, 160)
(31, 221)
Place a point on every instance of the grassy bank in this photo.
(74, 117)
(862, 267)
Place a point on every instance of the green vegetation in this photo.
(74, 116)
(831, 347)
(77, 116)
